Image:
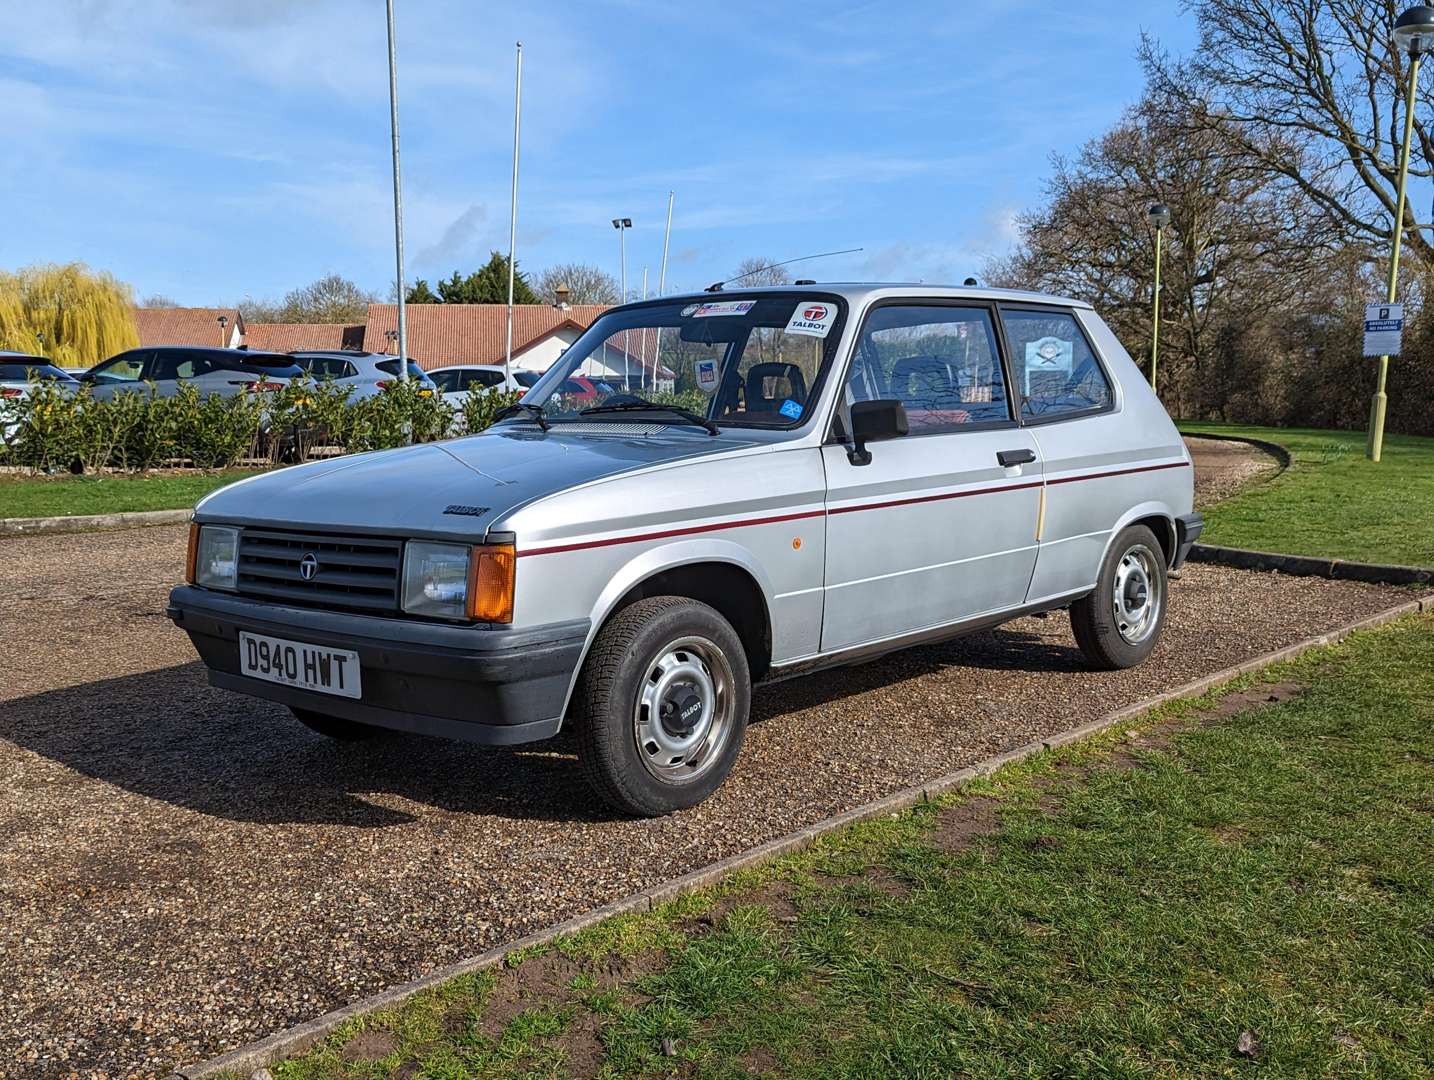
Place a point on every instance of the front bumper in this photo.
(1188, 528)
(495, 686)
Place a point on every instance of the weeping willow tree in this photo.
(68, 313)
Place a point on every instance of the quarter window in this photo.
(941, 363)
(1055, 370)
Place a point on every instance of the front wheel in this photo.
(664, 697)
(1118, 625)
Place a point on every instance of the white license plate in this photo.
(292, 663)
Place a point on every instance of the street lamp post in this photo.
(397, 195)
(392, 336)
(222, 320)
(1159, 216)
(622, 224)
(1413, 33)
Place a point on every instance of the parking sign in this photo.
(1383, 329)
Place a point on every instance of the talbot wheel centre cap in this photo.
(682, 711)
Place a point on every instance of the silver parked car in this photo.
(844, 471)
(19, 374)
(226, 372)
(368, 373)
(457, 381)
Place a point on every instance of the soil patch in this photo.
(961, 826)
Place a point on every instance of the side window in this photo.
(124, 368)
(178, 364)
(480, 380)
(1055, 370)
(941, 363)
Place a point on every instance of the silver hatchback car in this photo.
(842, 471)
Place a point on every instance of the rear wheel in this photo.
(664, 697)
(333, 727)
(1118, 625)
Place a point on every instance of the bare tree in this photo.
(331, 299)
(1310, 91)
(158, 301)
(1239, 243)
(586, 284)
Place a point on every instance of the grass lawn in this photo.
(1226, 874)
(1332, 501)
(56, 496)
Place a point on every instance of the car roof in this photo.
(6, 355)
(467, 367)
(856, 292)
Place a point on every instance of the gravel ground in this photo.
(183, 869)
(1223, 467)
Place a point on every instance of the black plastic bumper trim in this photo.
(475, 683)
(1188, 528)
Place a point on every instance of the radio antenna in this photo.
(716, 286)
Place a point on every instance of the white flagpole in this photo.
(642, 356)
(513, 217)
(397, 198)
(661, 291)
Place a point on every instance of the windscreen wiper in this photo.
(525, 409)
(640, 405)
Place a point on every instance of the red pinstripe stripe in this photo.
(747, 522)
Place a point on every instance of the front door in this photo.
(935, 530)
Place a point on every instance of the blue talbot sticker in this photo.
(791, 408)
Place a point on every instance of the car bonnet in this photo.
(455, 488)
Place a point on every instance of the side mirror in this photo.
(873, 421)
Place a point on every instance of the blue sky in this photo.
(210, 149)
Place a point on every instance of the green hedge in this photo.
(51, 430)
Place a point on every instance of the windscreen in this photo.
(751, 360)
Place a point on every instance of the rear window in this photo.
(265, 360)
(21, 372)
(390, 367)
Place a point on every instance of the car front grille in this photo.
(352, 573)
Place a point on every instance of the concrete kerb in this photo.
(296, 1040)
(92, 522)
(1308, 566)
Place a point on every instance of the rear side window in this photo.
(1055, 369)
(941, 362)
(327, 367)
(180, 365)
(478, 380)
(390, 367)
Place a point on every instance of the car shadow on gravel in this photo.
(168, 735)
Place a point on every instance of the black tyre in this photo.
(663, 700)
(333, 727)
(1118, 625)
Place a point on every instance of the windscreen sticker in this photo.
(791, 409)
(814, 319)
(724, 307)
(707, 375)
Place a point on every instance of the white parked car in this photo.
(19, 373)
(368, 373)
(869, 467)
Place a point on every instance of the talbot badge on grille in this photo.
(309, 567)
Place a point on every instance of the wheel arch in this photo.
(716, 572)
(1158, 517)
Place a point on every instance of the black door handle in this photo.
(1015, 457)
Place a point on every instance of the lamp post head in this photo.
(1414, 30)
(1159, 215)
(970, 282)
(223, 319)
(622, 223)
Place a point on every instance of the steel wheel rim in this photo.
(675, 744)
(1137, 596)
